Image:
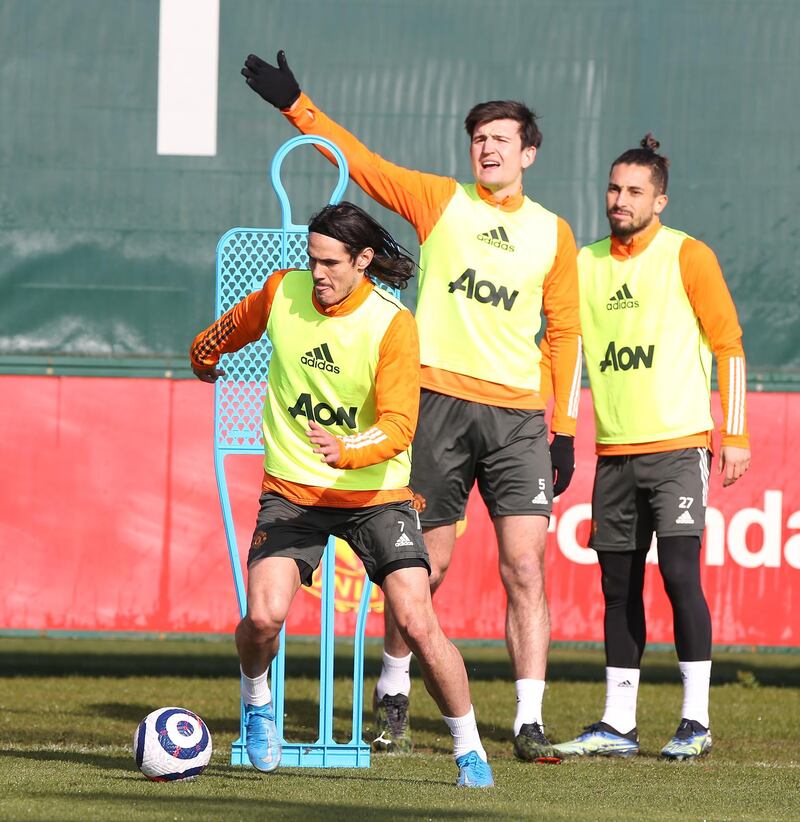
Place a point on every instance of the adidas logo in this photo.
(320, 357)
(540, 499)
(684, 519)
(626, 683)
(497, 238)
(402, 541)
(622, 299)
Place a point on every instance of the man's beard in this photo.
(629, 228)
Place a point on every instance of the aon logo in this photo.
(627, 358)
(322, 413)
(483, 291)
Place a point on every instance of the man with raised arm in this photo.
(337, 460)
(491, 259)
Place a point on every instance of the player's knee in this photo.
(681, 582)
(685, 596)
(525, 575)
(417, 627)
(263, 623)
(616, 591)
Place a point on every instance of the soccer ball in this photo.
(171, 744)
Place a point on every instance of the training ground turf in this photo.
(68, 709)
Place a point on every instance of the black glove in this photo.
(276, 85)
(562, 457)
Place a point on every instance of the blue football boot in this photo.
(263, 742)
(600, 739)
(474, 772)
(690, 741)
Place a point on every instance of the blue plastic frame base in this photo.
(324, 752)
(311, 755)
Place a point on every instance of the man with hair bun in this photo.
(654, 311)
(491, 260)
(337, 460)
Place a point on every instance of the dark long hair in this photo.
(356, 230)
(647, 155)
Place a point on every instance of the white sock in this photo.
(255, 691)
(465, 734)
(529, 702)
(696, 678)
(394, 678)
(622, 688)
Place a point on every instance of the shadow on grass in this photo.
(104, 761)
(124, 764)
(659, 667)
(300, 723)
(134, 713)
(262, 807)
(118, 665)
(483, 664)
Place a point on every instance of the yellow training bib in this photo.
(323, 368)
(648, 360)
(480, 289)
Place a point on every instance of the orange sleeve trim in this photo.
(335, 498)
(561, 307)
(701, 440)
(712, 303)
(396, 399)
(416, 196)
(240, 325)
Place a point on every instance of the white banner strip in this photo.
(188, 67)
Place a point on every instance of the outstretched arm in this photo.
(416, 196)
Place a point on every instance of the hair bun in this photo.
(649, 142)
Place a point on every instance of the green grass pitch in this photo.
(68, 709)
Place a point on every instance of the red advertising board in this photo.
(109, 521)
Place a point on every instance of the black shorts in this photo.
(384, 537)
(635, 495)
(504, 449)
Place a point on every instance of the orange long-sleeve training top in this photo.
(421, 199)
(396, 390)
(712, 304)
